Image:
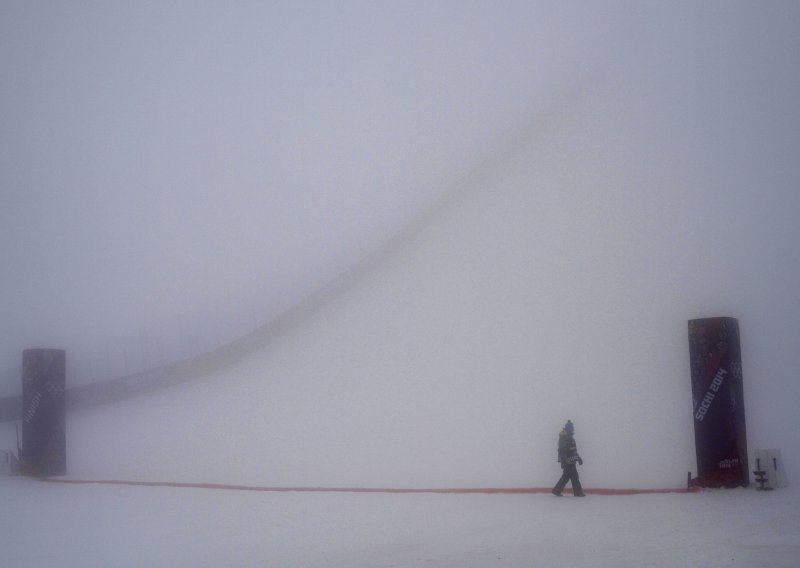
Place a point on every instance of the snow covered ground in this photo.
(58, 525)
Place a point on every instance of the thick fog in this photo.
(585, 180)
(166, 167)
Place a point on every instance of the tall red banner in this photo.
(44, 443)
(717, 391)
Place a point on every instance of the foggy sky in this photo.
(157, 160)
(159, 157)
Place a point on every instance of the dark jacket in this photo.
(567, 449)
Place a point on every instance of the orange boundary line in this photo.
(464, 490)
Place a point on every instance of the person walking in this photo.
(568, 457)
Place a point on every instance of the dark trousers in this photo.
(570, 474)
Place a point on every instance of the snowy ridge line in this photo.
(451, 490)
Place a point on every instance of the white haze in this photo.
(167, 159)
(616, 169)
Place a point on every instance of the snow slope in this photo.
(555, 284)
(540, 293)
(456, 361)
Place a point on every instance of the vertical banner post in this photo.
(44, 443)
(718, 403)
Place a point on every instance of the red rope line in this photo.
(462, 490)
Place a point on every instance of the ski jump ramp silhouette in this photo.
(517, 146)
(207, 363)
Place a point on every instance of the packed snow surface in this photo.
(83, 526)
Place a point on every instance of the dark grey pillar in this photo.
(44, 440)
